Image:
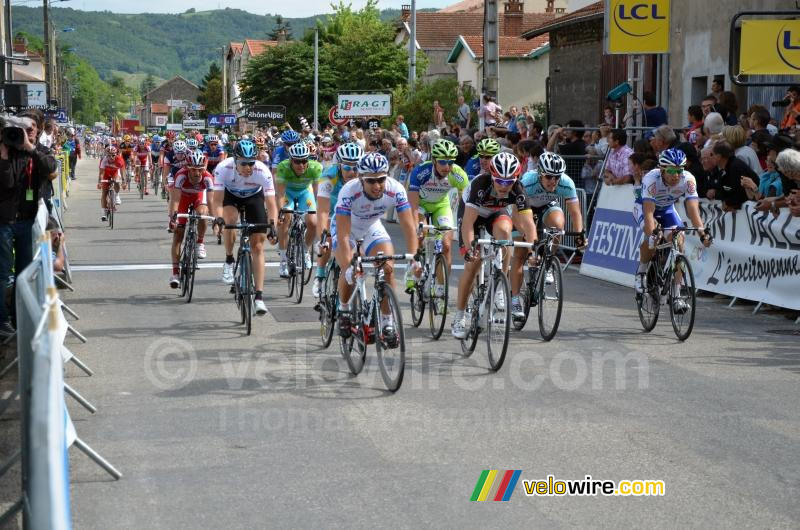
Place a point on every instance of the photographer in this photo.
(23, 172)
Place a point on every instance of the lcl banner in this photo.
(636, 26)
(770, 47)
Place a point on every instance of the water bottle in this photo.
(437, 246)
(410, 279)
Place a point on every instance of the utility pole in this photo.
(491, 49)
(412, 49)
(316, 78)
(47, 76)
(9, 43)
(224, 81)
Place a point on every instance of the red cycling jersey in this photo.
(192, 193)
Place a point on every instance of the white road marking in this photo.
(123, 267)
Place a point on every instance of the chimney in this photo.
(20, 45)
(512, 18)
(405, 13)
(282, 36)
(550, 6)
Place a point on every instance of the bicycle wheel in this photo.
(290, 266)
(306, 270)
(156, 179)
(327, 305)
(185, 263)
(472, 317)
(526, 294)
(683, 293)
(551, 299)
(247, 293)
(354, 347)
(391, 351)
(649, 302)
(417, 302)
(437, 312)
(299, 271)
(141, 184)
(191, 272)
(498, 321)
(112, 199)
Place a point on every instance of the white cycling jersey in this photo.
(654, 189)
(226, 177)
(362, 210)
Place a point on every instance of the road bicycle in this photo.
(669, 279)
(111, 202)
(365, 320)
(155, 175)
(142, 174)
(543, 286)
(488, 304)
(243, 287)
(299, 274)
(434, 274)
(328, 303)
(188, 257)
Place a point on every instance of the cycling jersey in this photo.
(285, 175)
(281, 153)
(175, 162)
(125, 149)
(538, 196)
(214, 157)
(655, 190)
(111, 166)
(142, 152)
(473, 167)
(432, 188)
(332, 183)
(362, 210)
(227, 178)
(483, 197)
(195, 194)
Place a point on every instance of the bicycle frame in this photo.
(430, 249)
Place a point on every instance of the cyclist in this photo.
(333, 179)
(192, 184)
(126, 150)
(479, 163)
(544, 187)
(263, 153)
(174, 160)
(244, 182)
(281, 153)
(297, 180)
(361, 204)
(142, 160)
(192, 144)
(111, 166)
(429, 193)
(487, 206)
(661, 189)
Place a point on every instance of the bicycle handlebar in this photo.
(195, 216)
(386, 257)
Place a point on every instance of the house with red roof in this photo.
(237, 55)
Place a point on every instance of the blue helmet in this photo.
(373, 163)
(245, 149)
(350, 152)
(299, 151)
(672, 157)
(290, 137)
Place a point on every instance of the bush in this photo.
(417, 108)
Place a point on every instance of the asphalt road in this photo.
(214, 429)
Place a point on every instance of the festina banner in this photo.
(266, 114)
(352, 105)
(755, 255)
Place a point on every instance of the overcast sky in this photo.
(287, 9)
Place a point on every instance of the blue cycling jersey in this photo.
(330, 186)
(473, 167)
(538, 196)
(280, 154)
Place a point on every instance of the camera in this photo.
(781, 103)
(13, 133)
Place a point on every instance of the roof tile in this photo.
(440, 30)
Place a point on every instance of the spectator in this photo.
(736, 136)
(760, 120)
(401, 126)
(590, 172)
(760, 142)
(56, 244)
(663, 138)
(732, 170)
(694, 130)
(768, 186)
(712, 126)
(654, 114)
(463, 114)
(644, 147)
(529, 151)
(522, 127)
(571, 146)
(728, 107)
(618, 169)
(708, 178)
(466, 150)
(608, 117)
(73, 146)
(438, 116)
(47, 138)
(787, 163)
(535, 129)
(489, 112)
(640, 164)
(717, 87)
(23, 170)
(790, 116)
(709, 104)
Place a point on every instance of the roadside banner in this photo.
(352, 105)
(637, 27)
(769, 47)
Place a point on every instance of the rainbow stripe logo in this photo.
(496, 485)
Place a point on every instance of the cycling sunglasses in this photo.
(346, 167)
(246, 163)
(445, 162)
(300, 161)
(550, 177)
(504, 182)
(673, 170)
(374, 180)
(486, 157)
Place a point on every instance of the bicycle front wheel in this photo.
(354, 347)
(498, 321)
(391, 346)
(299, 271)
(551, 298)
(327, 305)
(417, 305)
(247, 293)
(526, 294)
(682, 299)
(141, 184)
(191, 272)
(290, 267)
(472, 318)
(648, 303)
(437, 312)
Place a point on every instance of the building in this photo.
(237, 55)
(531, 6)
(156, 102)
(438, 32)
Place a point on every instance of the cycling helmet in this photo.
(212, 138)
(488, 147)
(143, 140)
(191, 143)
(126, 138)
(444, 149)
(170, 135)
(290, 137)
(351, 152)
(672, 158)
(111, 150)
(505, 165)
(245, 149)
(179, 146)
(300, 151)
(156, 139)
(551, 164)
(373, 163)
(196, 159)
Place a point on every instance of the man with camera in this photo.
(23, 171)
(792, 103)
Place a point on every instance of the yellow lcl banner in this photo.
(636, 26)
(770, 47)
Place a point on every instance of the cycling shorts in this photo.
(195, 199)
(299, 200)
(440, 212)
(374, 234)
(667, 218)
(254, 209)
(486, 222)
(541, 213)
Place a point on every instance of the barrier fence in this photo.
(46, 429)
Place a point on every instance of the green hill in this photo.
(160, 44)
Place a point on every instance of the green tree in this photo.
(417, 108)
(148, 84)
(211, 97)
(281, 24)
(214, 72)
